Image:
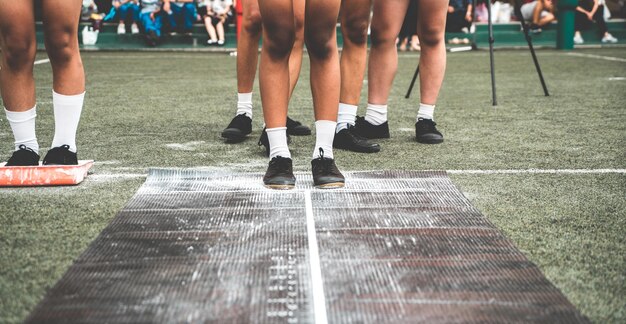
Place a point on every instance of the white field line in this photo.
(41, 61)
(600, 57)
(505, 171)
(116, 176)
(539, 171)
(319, 301)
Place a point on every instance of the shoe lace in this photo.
(351, 131)
(279, 162)
(325, 165)
(23, 147)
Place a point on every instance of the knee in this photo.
(280, 38)
(380, 37)
(431, 36)
(319, 44)
(19, 52)
(62, 46)
(252, 23)
(355, 30)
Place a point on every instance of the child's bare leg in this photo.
(430, 30)
(278, 38)
(17, 39)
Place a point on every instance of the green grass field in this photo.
(167, 110)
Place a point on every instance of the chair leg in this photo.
(408, 93)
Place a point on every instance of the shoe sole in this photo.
(234, 135)
(280, 186)
(332, 185)
(364, 150)
(430, 140)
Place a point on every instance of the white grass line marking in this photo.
(116, 176)
(600, 57)
(41, 61)
(539, 171)
(617, 78)
(319, 301)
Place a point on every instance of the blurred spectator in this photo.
(152, 20)
(182, 14)
(409, 29)
(538, 13)
(89, 12)
(218, 14)
(587, 12)
(459, 16)
(127, 11)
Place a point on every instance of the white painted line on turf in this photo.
(600, 57)
(116, 176)
(41, 61)
(319, 301)
(617, 78)
(539, 171)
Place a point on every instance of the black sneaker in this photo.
(24, 156)
(238, 128)
(346, 139)
(265, 141)
(279, 174)
(296, 128)
(326, 175)
(426, 132)
(60, 155)
(367, 130)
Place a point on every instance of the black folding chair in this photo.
(518, 13)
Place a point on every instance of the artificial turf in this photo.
(167, 110)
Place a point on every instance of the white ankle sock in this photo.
(376, 114)
(23, 126)
(278, 142)
(346, 116)
(67, 111)
(324, 136)
(426, 111)
(244, 104)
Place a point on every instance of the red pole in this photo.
(239, 11)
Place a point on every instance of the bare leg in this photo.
(60, 19)
(383, 64)
(278, 39)
(355, 16)
(248, 46)
(220, 30)
(17, 39)
(295, 60)
(321, 40)
(210, 29)
(431, 25)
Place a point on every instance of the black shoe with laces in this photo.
(326, 175)
(296, 128)
(279, 174)
(24, 156)
(265, 141)
(365, 129)
(346, 139)
(238, 128)
(426, 132)
(60, 155)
